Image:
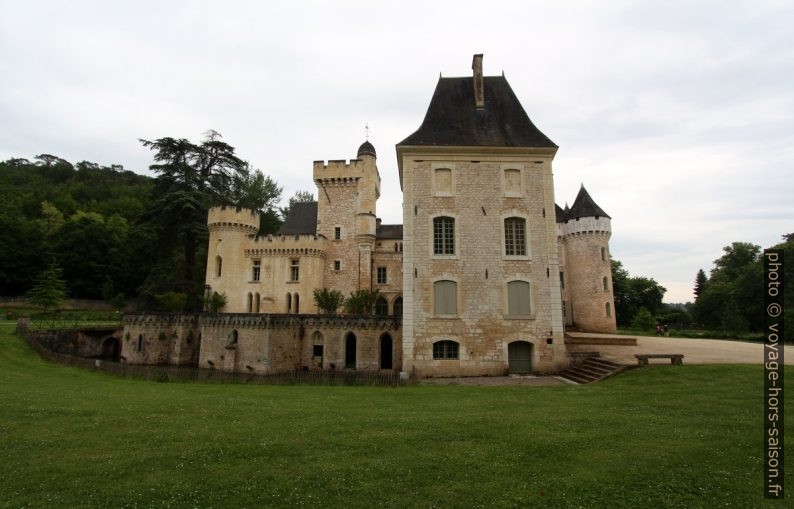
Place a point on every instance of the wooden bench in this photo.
(675, 358)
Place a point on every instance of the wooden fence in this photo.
(170, 373)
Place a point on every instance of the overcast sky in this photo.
(677, 116)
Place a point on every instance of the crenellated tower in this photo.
(347, 193)
(586, 271)
(230, 229)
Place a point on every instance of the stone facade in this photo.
(480, 279)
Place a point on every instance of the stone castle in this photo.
(482, 277)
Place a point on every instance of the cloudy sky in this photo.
(677, 116)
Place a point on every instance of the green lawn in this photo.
(657, 437)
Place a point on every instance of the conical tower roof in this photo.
(585, 206)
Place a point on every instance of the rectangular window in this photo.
(257, 269)
(444, 236)
(381, 275)
(518, 298)
(562, 280)
(294, 270)
(337, 232)
(445, 350)
(515, 237)
(563, 308)
(337, 265)
(445, 298)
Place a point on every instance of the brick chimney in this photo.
(479, 94)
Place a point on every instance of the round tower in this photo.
(585, 232)
(229, 232)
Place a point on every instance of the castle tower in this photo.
(480, 289)
(346, 199)
(229, 232)
(587, 272)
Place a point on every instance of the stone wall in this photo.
(479, 199)
(161, 339)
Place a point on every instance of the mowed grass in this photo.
(664, 436)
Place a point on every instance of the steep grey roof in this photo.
(559, 213)
(389, 231)
(452, 119)
(366, 148)
(584, 206)
(302, 219)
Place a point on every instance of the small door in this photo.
(519, 357)
(385, 351)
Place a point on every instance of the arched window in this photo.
(518, 302)
(140, 342)
(445, 297)
(234, 337)
(289, 302)
(515, 236)
(606, 284)
(443, 235)
(445, 349)
(218, 266)
(397, 308)
(608, 309)
(249, 303)
(603, 254)
(381, 307)
(257, 299)
(297, 303)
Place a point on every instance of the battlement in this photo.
(224, 217)
(585, 225)
(340, 169)
(286, 244)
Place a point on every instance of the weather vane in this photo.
(366, 132)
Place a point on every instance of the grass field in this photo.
(664, 436)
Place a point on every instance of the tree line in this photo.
(112, 234)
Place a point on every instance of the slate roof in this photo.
(584, 206)
(559, 214)
(366, 148)
(389, 231)
(452, 119)
(302, 219)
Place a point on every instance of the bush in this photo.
(171, 301)
(361, 302)
(328, 301)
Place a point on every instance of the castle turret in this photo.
(347, 193)
(229, 229)
(586, 277)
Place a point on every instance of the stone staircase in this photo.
(592, 369)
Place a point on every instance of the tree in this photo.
(298, 197)
(733, 297)
(49, 288)
(361, 302)
(214, 302)
(254, 190)
(633, 293)
(700, 283)
(643, 320)
(328, 301)
(191, 178)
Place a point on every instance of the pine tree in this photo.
(49, 288)
(700, 283)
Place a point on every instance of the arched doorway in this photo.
(111, 349)
(519, 357)
(350, 351)
(386, 351)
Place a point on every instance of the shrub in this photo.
(328, 301)
(643, 320)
